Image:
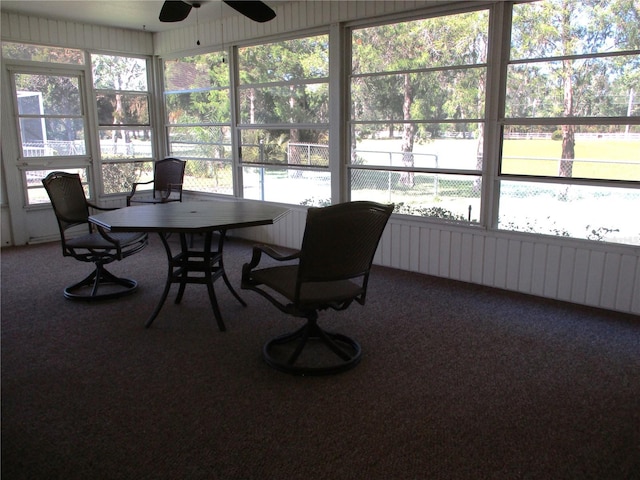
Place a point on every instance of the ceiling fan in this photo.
(176, 11)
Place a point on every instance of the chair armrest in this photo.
(273, 253)
(258, 250)
(92, 227)
(135, 185)
(103, 209)
(110, 239)
(133, 190)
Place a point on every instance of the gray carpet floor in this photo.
(457, 382)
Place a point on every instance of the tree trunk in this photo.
(252, 106)
(477, 184)
(408, 134)
(568, 131)
(294, 137)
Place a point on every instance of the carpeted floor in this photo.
(456, 382)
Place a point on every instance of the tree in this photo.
(60, 97)
(568, 130)
(119, 75)
(567, 29)
(419, 61)
(287, 84)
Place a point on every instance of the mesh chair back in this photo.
(168, 172)
(340, 241)
(67, 198)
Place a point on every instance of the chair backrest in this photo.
(340, 241)
(166, 172)
(68, 199)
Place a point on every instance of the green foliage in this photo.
(435, 212)
(294, 63)
(119, 177)
(316, 202)
(264, 146)
(114, 72)
(599, 233)
(532, 226)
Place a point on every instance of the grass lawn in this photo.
(608, 159)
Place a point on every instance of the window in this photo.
(50, 114)
(283, 103)
(571, 130)
(198, 108)
(124, 126)
(47, 85)
(417, 115)
(41, 53)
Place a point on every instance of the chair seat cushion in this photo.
(95, 240)
(313, 294)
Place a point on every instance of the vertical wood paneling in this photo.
(580, 275)
(414, 249)
(34, 31)
(444, 254)
(24, 28)
(405, 247)
(394, 239)
(610, 276)
(424, 251)
(626, 279)
(477, 258)
(538, 268)
(55, 32)
(456, 251)
(594, 278)
(513, 265)
(67, 33)
(44, 29)
(489, 261)
(552, 271)
(500, 273)
(567, 268)
(433, 265)
(525, 267)
(466, 263)
(386, 246)
(86, 33)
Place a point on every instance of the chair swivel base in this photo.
(312, 351)
(100, 285)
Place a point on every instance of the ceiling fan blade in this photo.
(174, 11)
(256, 11)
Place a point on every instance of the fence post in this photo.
(261, 155)
(389, 176)
(436, 181)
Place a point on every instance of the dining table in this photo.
(202, 265)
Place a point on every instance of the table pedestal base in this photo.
(191, 266)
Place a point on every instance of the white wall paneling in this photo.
(22, 28)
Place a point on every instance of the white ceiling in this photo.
(131, 14)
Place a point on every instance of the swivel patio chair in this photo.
(330, 270)
(168, 176)
(72, 213)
